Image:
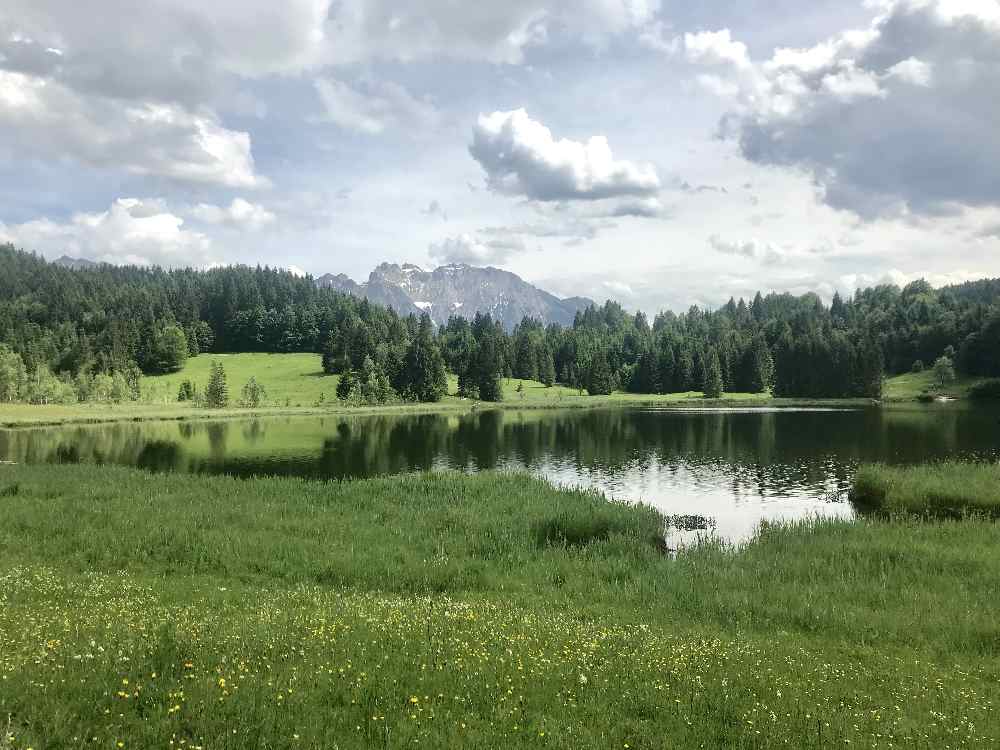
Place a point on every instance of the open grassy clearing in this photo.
(912, 385)
(486, 611)
(291, 380)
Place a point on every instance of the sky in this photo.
(657, 152)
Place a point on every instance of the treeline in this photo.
(122, 320)
(75, 325)
(794, 346)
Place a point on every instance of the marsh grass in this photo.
(480, 611)
(941, 490)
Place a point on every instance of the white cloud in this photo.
(131, 231)
(240, 214)
(521, 157)
(715, 48)
(180, 51)
(896, 118)
(373, 106)
(466, 249)
(765, 252)
(47, 120)
(913, 71)
(497, 32)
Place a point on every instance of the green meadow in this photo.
(485, 611)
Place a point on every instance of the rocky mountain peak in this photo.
(458, 289)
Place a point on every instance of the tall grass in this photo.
(474, 611)
(949, 490)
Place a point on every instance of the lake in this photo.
(735, 467)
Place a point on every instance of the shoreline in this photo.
(21, 416)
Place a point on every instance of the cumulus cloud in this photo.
(473, 251)
(521, 157)
(240, 214)
(373, 106)
(898, 117)
(47, 120)
(493, 31)
(765, 252)
(144, 98)
(131, 231)
(180, 51)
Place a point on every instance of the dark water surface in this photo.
(736, 467)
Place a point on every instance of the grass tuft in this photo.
(943, 490)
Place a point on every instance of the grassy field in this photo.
(485, 611)
(912, 385)
(945, 489)
(295, 384)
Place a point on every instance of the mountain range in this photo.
(459, 290)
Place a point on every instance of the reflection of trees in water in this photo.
(253, 431)
(760, 452)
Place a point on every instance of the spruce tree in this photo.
(547, 373)
(713, 376)
(488, 368)
(762, 376)
(600, 381)
(423, 377)
(217, 392)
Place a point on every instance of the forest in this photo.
(89, 334)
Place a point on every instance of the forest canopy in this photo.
(115, 320)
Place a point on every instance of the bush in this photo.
(988, 390)
(252, 395)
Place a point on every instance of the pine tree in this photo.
(547, 373)
(762, 375)
(713, 376)
(423, 377)
(217, 392)
(599, 379)
(488, 368)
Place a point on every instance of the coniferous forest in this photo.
(67, 334)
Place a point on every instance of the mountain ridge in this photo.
(458, 289)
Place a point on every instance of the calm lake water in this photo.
(736, 467)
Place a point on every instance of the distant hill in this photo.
(458, 290)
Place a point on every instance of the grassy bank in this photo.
(951, 490)
(480, 611)
(912, 386)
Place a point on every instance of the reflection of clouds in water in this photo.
(706, 489)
